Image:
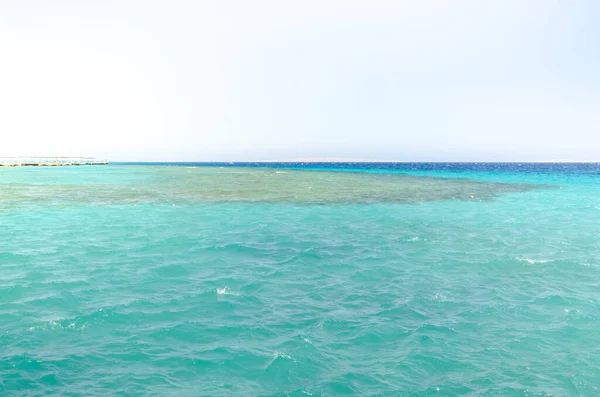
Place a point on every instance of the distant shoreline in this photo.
(39, 161)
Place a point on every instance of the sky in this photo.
(431, 80)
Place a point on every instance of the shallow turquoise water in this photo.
(175, 281)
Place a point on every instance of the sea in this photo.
(300, 279)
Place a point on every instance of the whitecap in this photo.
(50, 325)
(225, 291)
(533, 261)
(441, 298)
(284, 355)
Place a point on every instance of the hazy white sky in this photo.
(247, 80)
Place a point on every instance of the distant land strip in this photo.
(39, 161)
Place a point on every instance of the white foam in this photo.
(533, 261)
(284, 355)
(56, 325)
(46, 326)
(225, 291)
(441, 298)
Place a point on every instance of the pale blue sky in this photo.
(253, 80)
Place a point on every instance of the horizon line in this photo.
(334, 161)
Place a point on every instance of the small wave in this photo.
(439, 297)
(280, 172)
(533, 261)
(59, 325)
(283, 355)
(50, 325)
(225, 291)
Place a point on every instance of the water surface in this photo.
(410, 279)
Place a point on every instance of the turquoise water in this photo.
(139, 280)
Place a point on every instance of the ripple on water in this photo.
(240, 290)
